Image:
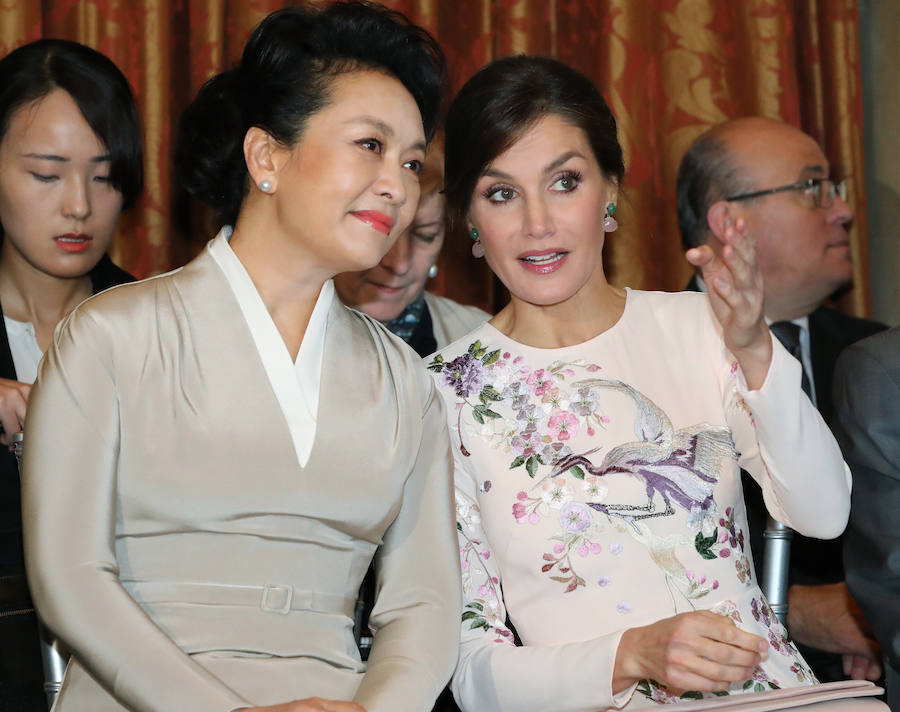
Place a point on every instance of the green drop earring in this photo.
(477, 247)
(609, 222)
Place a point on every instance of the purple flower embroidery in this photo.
(465, 374)
(575, 517)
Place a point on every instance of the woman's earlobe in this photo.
(259, 154)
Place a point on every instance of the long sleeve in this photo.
(867, 424)
(417, 607)
(790, 451)
(69, 500)
(495, 674)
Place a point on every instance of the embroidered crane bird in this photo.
(678, 465)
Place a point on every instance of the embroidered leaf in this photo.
(488, 413)
(561, 579)
(549, 557)
(747, 685)
(473, 348)
(476, 605)
(462, 449)
(577, 472)
(459, 526)
(692, 695)
(572, 586)
(490, 393)
(546, 567)
(703, 543)
(721, 693)
(518, 462)
(758, 687)
(564, 569)
(580, 581)
(479, 622)
(531, 464)
(476, 413)
(468, 614)
(491, 357)
(436, 367)
(773, 686)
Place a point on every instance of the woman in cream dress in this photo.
(215, 455)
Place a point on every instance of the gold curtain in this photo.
(669, 69)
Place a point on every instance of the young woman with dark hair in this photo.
(247, 444)
(599, 432)
(70, 161)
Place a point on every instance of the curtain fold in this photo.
(669, 69)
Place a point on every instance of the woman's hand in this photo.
(13, 399)
(736, 295)
(700, 651)
(310, 704)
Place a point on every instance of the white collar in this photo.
(296, 384)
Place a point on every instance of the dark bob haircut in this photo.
(506, 98)
(285, 76)
(98, 88)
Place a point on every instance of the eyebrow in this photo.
(817, 169)
(549, 168)
(62, 159)
(382, 126)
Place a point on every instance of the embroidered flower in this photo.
(554, 399)
(552, 452)
(604, 581)
(575, 517)
(540, 381)
(465, 374)
(623, 607)
(584, 402)
(563, 425)
(594, 489)
(556, 494)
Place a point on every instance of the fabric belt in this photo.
(271, 597)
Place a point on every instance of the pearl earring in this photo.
(265, 186)
(432, 271)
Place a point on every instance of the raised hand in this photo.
(700, 651)
(736, 295)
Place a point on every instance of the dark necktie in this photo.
(788, 333)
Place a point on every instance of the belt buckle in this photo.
(270, 589)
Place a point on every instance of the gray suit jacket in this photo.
(176, 544)
(867, 426)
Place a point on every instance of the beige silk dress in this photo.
(175, 542)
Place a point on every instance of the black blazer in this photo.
(21, 674)
(813, 561)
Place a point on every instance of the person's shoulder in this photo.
(451, 320)
(842, 327)
(882, 347)
(474, 339)
(665, 305)
(124, 300)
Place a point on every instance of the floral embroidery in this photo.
(779, 640)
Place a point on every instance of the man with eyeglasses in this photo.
(778, 180)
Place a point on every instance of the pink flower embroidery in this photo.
(563, 425)
(540, 381)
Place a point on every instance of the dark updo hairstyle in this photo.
(285, 76)
(501, 102)
(96, 85)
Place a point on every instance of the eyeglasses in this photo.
(822, 190)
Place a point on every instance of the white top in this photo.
(296, 383)
(598, 489)
(23, 345)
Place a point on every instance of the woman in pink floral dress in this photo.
(599, 432)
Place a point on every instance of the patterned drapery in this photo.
(669, 69)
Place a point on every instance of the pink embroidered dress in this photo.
(598, 489)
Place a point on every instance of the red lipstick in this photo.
(376, 220)
(73, 242)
